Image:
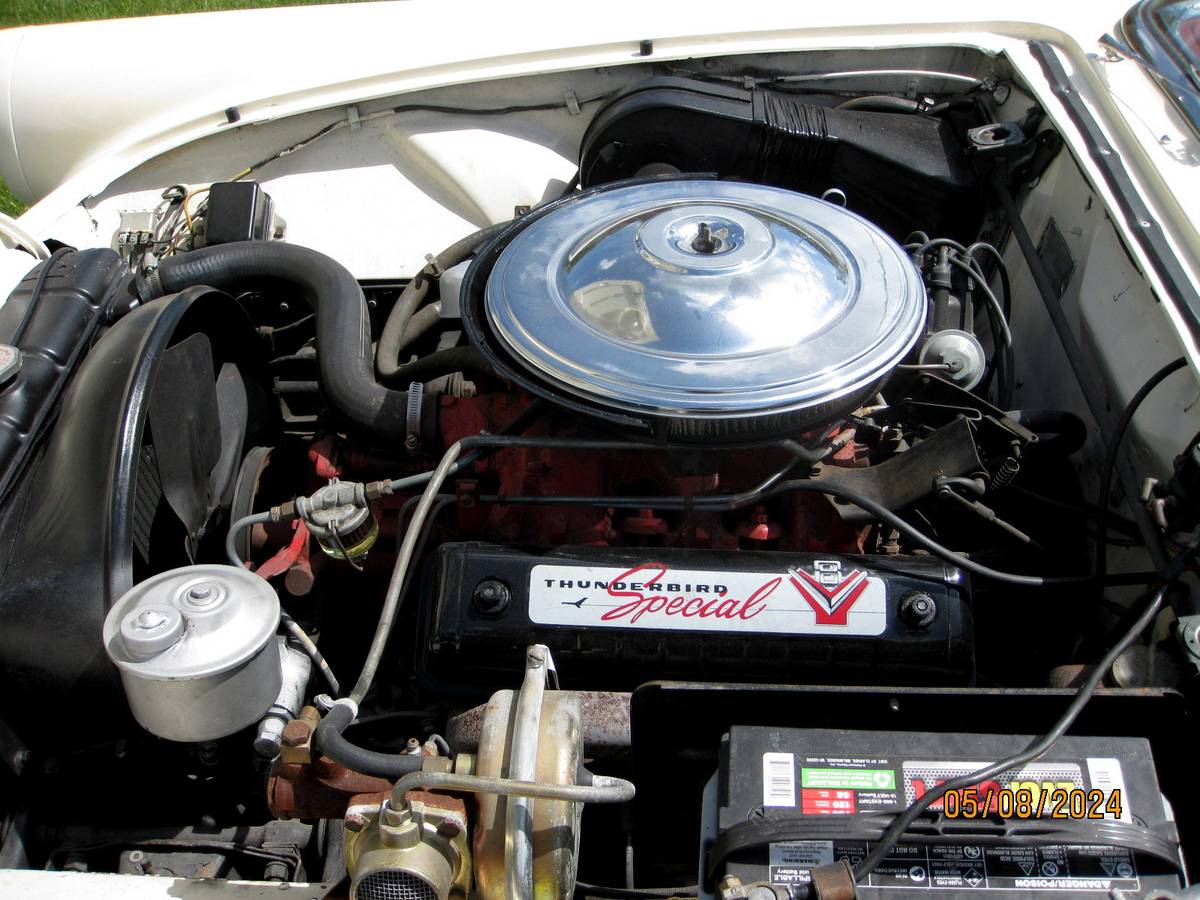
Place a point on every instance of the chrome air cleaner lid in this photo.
(704, 299)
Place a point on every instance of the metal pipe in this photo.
(235, 532)
(522, 766)
(392, 597)
(603, 788)
(957, 77)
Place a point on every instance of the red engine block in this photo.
(798, 522)
(795, 522)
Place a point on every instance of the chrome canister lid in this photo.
(191, 623)
(709, 298)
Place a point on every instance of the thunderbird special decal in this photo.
(824, 598)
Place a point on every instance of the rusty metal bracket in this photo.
(834, 881)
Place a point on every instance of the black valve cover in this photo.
(619, 617)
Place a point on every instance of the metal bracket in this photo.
(908, 477)
(834, 881)
(1005, 137)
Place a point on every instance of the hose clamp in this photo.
(412, 413)
(154, 282)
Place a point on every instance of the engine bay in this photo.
(702, 529)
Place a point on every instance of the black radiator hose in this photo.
(330, 742)
(343, 326)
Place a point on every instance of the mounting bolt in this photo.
(149, 619)
(277, 870)
(355, 822)
(918, 609)
(202, 594)
(295, 733)
(136, 856)
(449, 829)
(492, 596)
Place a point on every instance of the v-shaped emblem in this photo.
(831, 604)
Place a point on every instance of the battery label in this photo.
(965, 866)
(843, 785)
(779, 779)
(792, 861)
(849, 779)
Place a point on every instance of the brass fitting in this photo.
(421, 845)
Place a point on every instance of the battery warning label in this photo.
(965, 866)
(849, 779)
(834, 791)
(830, 785)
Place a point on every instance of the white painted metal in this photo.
(94, 99)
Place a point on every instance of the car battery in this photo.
(785, 801)
(615, 618)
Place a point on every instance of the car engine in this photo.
(465, 585)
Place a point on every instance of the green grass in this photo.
(9, 204)
(41, 12)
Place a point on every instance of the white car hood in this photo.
(89, 101)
